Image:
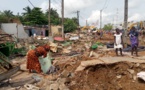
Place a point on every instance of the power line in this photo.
(105, 4)
(108, 4)
(31, 3)
(59, 3)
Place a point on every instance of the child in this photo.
(134, 40)
(118, 42)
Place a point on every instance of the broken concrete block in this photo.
(30, 87)
(53, 87)
(66, 51)
(134, 78)
(119, 76)
(130, 71)
(65, 73)
(63, 87)
(23, 67)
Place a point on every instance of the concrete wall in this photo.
(11, 28)
(55, 30)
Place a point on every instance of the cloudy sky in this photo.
(89, 9)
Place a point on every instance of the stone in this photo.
(63, 87)
(31, 87)
(53, 87)
(65, 73)
(130, 75)
(119, 76)
(63, 80)
(134, 78)
(137, 65)
(23, 67)
(130, 71)
(73, 83)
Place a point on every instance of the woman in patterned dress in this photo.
(33, 55)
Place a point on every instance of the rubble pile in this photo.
(80, 67)
(4, 37)
(118, 76)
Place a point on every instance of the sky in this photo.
(113, 10)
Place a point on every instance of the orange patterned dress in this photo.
(32, 58)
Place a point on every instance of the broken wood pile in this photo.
(4, 37)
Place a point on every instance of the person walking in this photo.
(133, 34)
(118, 42)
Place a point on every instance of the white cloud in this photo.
(136, 17)
(70, 6)
(95, 17)
(44, 6)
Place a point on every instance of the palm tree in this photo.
(27, 10)
(8, 13)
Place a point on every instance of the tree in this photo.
(36, 17)
(27, 11)
(69, 25)
(8, 13)
(54, 18)
(3, 19)
(26, 15)
(5, 16)
(108, 27)
(75, 20)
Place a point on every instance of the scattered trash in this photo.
(58, 39)
(119, 76)
(45, 63)
(52, 69)
(74, 38)
(53, 47)
(110, 45)
(31, 87)
(141, 75)
(94, 46)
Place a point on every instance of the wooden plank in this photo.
(23, 82)
(9, 73)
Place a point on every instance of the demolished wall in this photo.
(11, 28)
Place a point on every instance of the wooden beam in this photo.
(9, 73)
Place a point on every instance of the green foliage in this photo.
(54, 17)
(27, 11)
(8, 13)
(108, 27)
(5, 16)
(4, 19)
(75, 20)
(69, 25)
(34, 16)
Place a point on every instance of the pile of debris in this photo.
(84, 64)
(4, 37)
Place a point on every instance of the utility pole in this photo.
(101, 19)
(50, 34)
(125, 22)
(62, 18)
(78, 17)
(86, 22)
(117, 18)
